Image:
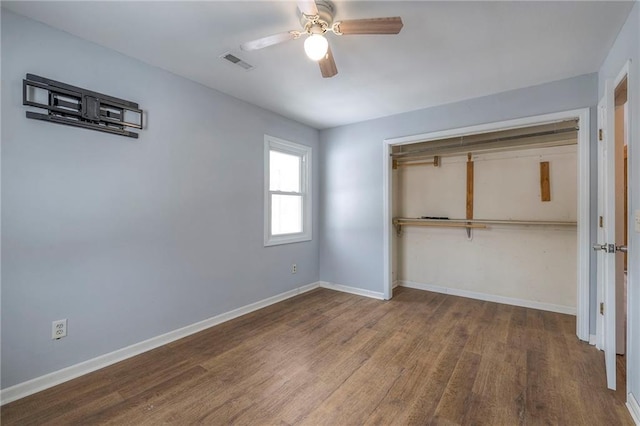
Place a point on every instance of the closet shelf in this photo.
(399, 222)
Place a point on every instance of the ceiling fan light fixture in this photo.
(316, 18)
(316, 46)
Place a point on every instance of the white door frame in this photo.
(583, 181)
(600, 201)
(606, 265)
(610, 87)
(626, 72)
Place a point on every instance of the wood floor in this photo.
(330, 358)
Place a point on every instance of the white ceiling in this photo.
(446, 52)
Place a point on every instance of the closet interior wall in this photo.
(534, 264)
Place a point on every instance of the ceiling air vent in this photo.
(237, 61)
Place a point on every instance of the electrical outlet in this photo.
(294, 268)
(58, 329)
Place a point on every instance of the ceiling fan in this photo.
(316, 19)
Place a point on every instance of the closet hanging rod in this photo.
(410, 221)
(466, 147)
(443, 224)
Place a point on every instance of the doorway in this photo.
(621, 195)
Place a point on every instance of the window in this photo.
(287, 177)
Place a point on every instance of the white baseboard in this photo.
(592, 339)
(634, 408)
(491, 298)
(352, 290)
(52, 379)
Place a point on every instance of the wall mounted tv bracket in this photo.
(73, 106)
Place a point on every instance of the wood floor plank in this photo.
(415, 380)
(55, 401)
(541, 396)
(456, 399)
(285, 401)
(356, 397)
(143, 401)
(332, 358)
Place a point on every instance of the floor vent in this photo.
(237, 61)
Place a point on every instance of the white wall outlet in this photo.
(58, 329)
(637, 221)
(294, 268)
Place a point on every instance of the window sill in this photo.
(286, 239)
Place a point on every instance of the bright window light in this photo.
(287, 192)
(284, 172)
(286, 214)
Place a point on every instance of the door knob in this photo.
(623, 249)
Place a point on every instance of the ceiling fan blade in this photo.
(308, 7)
(328, 65)
(391, 25)
(269, 40)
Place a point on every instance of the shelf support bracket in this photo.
(398, 227)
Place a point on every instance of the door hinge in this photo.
(600, 134)
(601, 222)
(601, 308)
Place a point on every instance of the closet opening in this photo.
(497, 212)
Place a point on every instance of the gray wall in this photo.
(627, 46)
(351, 233)
(126, 238)
(129, 239)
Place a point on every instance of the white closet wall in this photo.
(528, 263)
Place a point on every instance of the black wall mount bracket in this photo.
(74, 106)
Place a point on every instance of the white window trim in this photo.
(272, 143)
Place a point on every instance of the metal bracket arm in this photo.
(74, 106)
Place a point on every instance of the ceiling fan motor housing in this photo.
(326, 12)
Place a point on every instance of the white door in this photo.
(606, 244)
